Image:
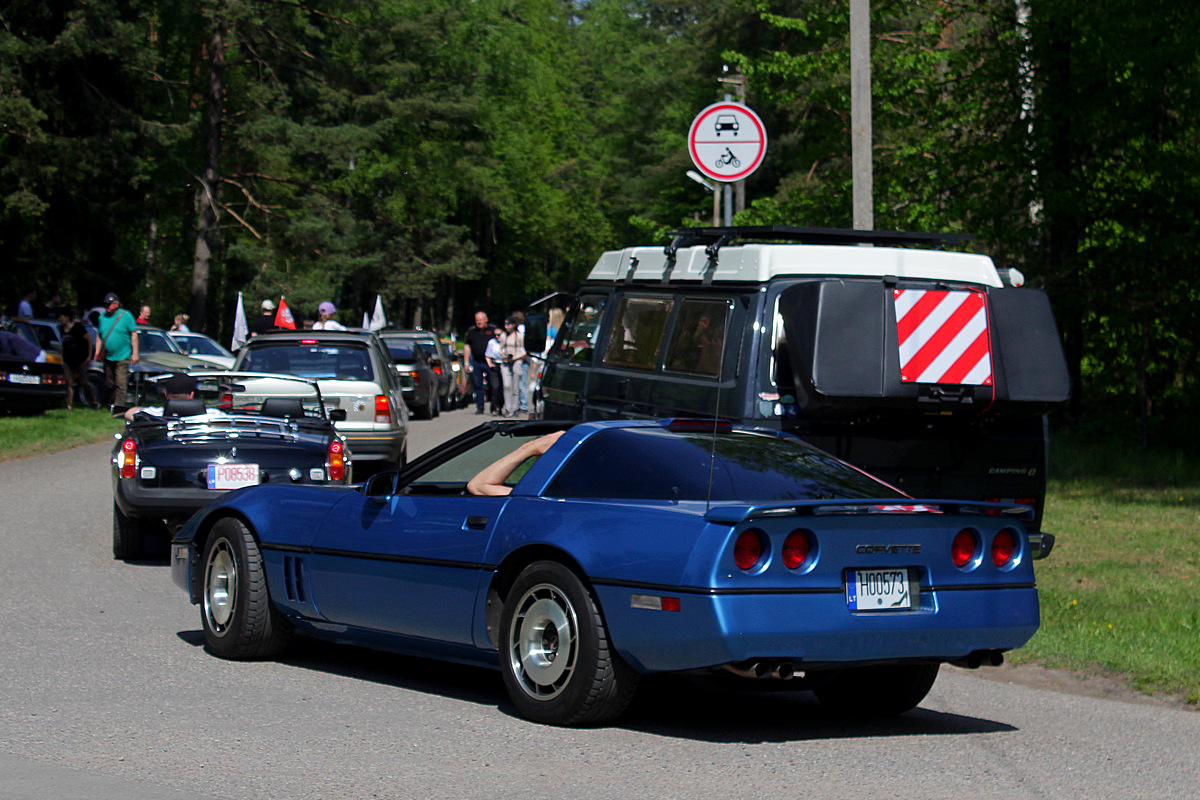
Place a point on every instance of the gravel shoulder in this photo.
(1083, 684)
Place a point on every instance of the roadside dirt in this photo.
(1101, 686)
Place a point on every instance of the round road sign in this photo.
(727, 141)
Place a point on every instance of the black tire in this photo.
(239, 619)
(877, 691)
(128, 537)
(557, 662)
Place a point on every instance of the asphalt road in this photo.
(107, 692)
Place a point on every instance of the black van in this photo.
(925, 367)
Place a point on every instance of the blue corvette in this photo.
(626, 548)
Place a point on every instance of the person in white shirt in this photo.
(325, 321)
(25, 307)
(494, 356)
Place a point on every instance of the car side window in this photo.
(455, 472)
(698, 340)
(637, 333)
(577, 339)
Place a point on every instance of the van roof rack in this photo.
(716, 238)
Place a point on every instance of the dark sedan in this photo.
(441, 360)
(418, 381)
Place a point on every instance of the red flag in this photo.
(283, 317)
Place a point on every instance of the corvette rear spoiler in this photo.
(736, 514)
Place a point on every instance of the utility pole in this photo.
(860, 115)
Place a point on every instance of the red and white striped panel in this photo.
(943, 337)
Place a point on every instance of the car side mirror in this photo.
(337, 415)
(381, 484)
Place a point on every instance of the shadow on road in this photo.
(675, 706)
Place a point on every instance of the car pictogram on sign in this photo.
(726, 122)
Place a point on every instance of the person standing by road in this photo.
(144, 316)
(520, 367)
(25, 306)
(477, 339)
(117, 344)
(495, 361)
(77, 348)
(512, 366)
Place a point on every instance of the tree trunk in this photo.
(206, 222)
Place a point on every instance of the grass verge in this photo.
(59, 429)
(1118, 593)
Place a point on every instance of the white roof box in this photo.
(715, 260)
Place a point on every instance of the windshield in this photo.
(153, 341)
(200, 346)
(659, 464)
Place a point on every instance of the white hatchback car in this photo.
(354, 374)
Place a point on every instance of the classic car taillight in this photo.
(748, 549)
(383, 409)
(796, 548)
(127, 463)
(1003, 547)
(336, 459)
(962, 549)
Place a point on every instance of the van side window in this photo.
(637, 332)
(781, 364)
(698, 339)
(578, 337)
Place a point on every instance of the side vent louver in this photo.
(294, 579)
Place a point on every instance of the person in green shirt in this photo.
(117, 345)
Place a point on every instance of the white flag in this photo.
(378, 320)
(241, 331)
(366, 321)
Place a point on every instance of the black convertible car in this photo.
(172, 460)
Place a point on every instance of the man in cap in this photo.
(266, 320)
(117, 344)
(326, 322)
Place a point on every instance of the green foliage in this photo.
(452, 154)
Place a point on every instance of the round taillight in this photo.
(748, 549)
(795, 549)
(962, 550)
(1003, 547)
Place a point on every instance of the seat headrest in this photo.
(282, 407)
(184, 407)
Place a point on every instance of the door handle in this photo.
(475, 523)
